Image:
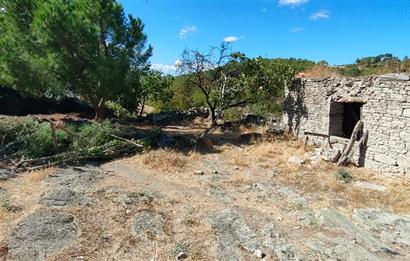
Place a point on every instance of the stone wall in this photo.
(385, 113)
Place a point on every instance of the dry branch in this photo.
(344, 159)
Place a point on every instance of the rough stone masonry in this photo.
(332, 106)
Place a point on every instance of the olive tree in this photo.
(229, 80)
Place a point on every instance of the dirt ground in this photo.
(242, 200)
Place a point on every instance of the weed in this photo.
(344, 175)
(5, 204)
(180, 247)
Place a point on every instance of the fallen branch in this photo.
(344, 159)
(127, 140)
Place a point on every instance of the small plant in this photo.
(344, 175)
(180, 248)
(5, 204)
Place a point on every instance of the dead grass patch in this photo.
(320, 179)
(164, 160)
(320, 71)
(2, 214)
(39, 175)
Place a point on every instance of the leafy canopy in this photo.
(84, 47)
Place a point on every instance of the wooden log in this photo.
(319, 135)
(346, 152)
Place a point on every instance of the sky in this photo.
(338, 31)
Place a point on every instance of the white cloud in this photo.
(292, 2)
(166, 68)
(296, 29)
(322, 14)
(186, 30)
(231, 39)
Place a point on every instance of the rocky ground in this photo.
(238, 202)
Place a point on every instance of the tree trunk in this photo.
(99, 110)
(142, 108)
(213, 116)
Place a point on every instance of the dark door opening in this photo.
(343, 118)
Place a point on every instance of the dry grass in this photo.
(320, 71)
(39, 175)
(319, 179)
(2, 214)
(164, 160)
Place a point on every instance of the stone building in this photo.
(333, 106)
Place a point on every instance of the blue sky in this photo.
(338, 31)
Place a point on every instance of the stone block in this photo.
(404, 161)
(385, 159)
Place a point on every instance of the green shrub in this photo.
(232, 114)
(94, 134)
(39, 143)
(100, 140)
(344, 175)
(13, 128)
(119, 111)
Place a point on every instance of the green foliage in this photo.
(12, 129)
(87, 47)
(184, 96)
(94, 134)
(376, 65)
(344, 175)
(119, 111)
(39, 142)
(232, 114)
(298, 65)
(226, 80)
(34, 139)
(5, 203)
(351, 70)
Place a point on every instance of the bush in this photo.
(94, 134)
(119, 111)
(39, 142)
(344, 175)
(30, 139)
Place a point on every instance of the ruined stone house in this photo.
(333, 106)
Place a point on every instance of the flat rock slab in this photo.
(392, 228)
(276, 242)
(328, 248)
(370, 186)
(77, 179)
(42, 234)
(5, 174)
(296, 160)
(334, 219)
(274, 190)
(233, 234)
(64, 197)
(148, 223)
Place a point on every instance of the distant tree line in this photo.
(375, 65)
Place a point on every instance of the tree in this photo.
(205, 72)
(144, 86)
(86, 47)
(229, 80)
